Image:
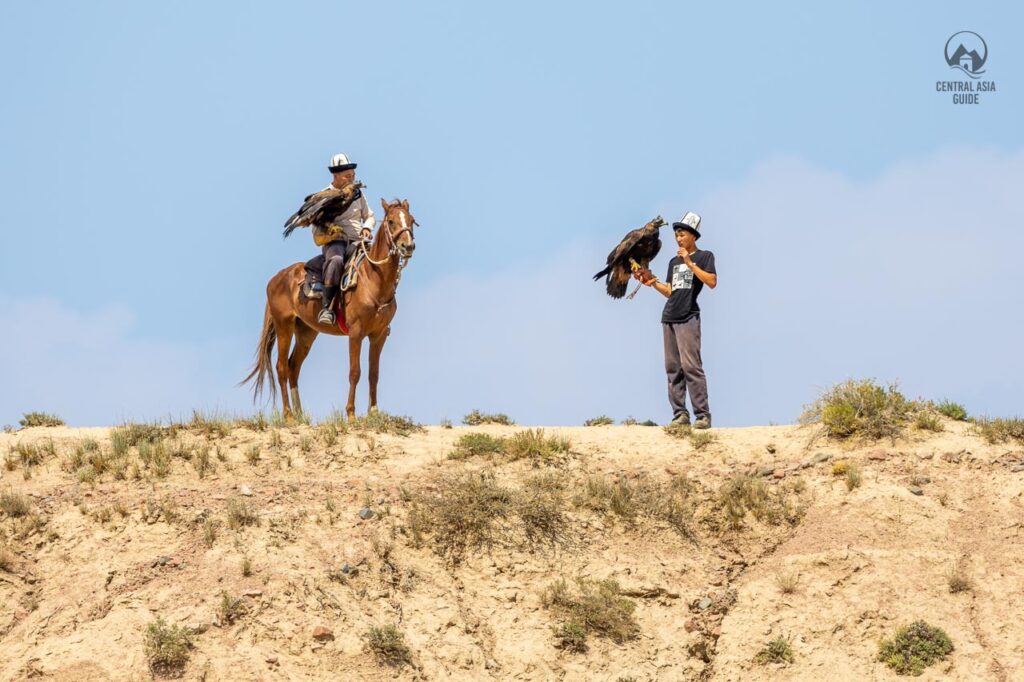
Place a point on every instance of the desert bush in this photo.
(595, 607)
(1000, 430)
(535, 445)
(631, 421)
(853, 477)
(541, 509)
(167, 647)
(240, 514)
(778, 650)
(252, 455)
(209, 532)
(28, 454)
(14, 504)
(861, 409)
(840, 467)
(230, 609)
(387, 644)
(746, 494)
(602, 420)
(914, 648)
(927, 420)
(382, 422)
(958, 578)
(954, 411)
(40, 419)
(469, 510)
(571, 637)
(474, 444)
(670, 501)
(606, 496)
(701, 439)
(476, 418)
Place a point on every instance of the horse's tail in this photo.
(261, 369)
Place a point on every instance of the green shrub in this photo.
(476, 418)
(1000, 430)
(926, 420)
(778, 650)
(954, 411)
(388, 646)
(167, 647)
(40, 419)
(860, 409)
(914, 648)
(631, 421)
(535, 445)
(603, 420)
(474, 444)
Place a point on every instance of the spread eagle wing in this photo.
(640, 245)
(323, 207)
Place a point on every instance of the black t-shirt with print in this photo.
(682, 303)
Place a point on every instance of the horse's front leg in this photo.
(376, 346)
(354, 347)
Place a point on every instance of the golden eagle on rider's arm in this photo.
(639, 247)
(323, 207)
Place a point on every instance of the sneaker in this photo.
(326, 317)
(682, 420)
(702, 423)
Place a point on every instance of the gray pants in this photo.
(684, 368)
(334, 261)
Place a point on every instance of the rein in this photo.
(392, 252)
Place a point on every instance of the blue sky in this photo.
(151, 153)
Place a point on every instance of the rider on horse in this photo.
(338, 239)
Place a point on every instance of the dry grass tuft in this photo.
(14, 504)
(536, 446)
(1000, 430)
(476, 444)
(382, 422)
(6, 559)
(853, 477)
(241, 514)
(779, 650)
(230, 609)
(476, 418)
(787, 581)
(593, 607)
(167, 647)
(387, 644)
(745, 495)
(959, 579)
(603, 420)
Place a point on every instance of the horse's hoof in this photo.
(373, 410)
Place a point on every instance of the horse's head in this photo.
(398, 223)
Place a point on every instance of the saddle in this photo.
(313, 285)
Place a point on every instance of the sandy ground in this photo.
(81, 588)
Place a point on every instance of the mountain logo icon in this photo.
(967, 51)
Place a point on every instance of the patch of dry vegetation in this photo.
(241, 514)
(592, 607)
(746, 495)
(532, 444)
(30, 419)
(472, 510)
(167, 647)
(476, 418)
(14, 505)
(779, 650)
(1000, 430)
(387, 644)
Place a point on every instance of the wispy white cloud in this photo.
(913, 275)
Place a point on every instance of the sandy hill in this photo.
(279, 549)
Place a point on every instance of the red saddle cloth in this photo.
(339, 313)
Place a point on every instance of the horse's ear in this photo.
(384, 204)
(405, 204)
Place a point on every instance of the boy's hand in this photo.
(365, 233)
(645, 276)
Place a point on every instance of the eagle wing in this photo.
(641, 245)
(323, 207)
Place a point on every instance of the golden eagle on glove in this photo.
(634, 252)
(324, 207)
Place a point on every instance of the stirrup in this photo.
(326, 317)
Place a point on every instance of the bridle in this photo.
(394, 248)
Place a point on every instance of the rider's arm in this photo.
(369, 221)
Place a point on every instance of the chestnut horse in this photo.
(369, 308)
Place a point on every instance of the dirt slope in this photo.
(94, 562)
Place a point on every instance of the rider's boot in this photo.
(327, 312)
